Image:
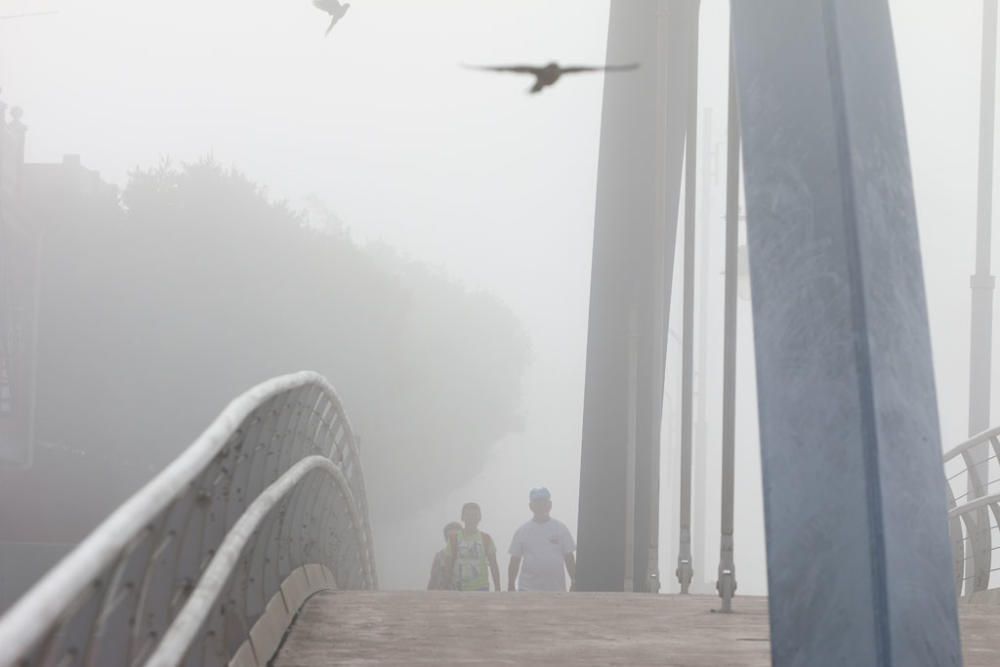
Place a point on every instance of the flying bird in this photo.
(334, 9)
(549, 74)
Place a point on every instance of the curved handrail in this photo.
(978, 439)
(970, 513)
(133, 573)
(183, 631)
(979, 503)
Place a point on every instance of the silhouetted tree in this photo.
(153, 318)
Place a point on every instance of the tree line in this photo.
(159, 308)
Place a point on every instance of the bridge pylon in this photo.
(639, 177)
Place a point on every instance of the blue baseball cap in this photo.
(541, 493)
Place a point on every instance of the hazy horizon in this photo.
(464, 172)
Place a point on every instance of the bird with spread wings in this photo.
(549, 74)
(334, 9)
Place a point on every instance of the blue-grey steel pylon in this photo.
(725, 583)
(859, 561)
(638, 186)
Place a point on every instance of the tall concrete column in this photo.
(859, 562)
(639, 175)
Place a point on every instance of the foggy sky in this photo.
(461, 169)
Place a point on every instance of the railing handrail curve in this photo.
(178, 639)
(972, 505)
(32, 616)
(977, 439)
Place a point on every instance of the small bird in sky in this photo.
(549, 74)
(334, 9)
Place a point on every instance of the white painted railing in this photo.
(208, 563)
(973, 472)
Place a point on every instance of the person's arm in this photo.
(512, 570)
(495, 571)
(449, 567)
(571, 569)
(434, 584)
(568, 547)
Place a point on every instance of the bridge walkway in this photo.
(420, 628)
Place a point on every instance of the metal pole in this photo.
(700, 454)
(726, 584)
(981, 326)
(858, 556)
(982, 282)
(699, 491)
(685, 570)
(631, 450)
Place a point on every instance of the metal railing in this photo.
(973, 472)
(208, 563)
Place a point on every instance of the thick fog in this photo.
(361, 205)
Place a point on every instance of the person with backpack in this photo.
(472, 554)
(441, 576)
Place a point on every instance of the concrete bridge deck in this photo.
(418, 628)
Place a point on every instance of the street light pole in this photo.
(982, 283)
(699, 490)
(685, 569)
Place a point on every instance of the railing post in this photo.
(859, 563)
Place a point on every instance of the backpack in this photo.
(488, 545)
(487, 542)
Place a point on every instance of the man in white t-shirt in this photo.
(545, 548)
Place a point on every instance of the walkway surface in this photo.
(414, 628)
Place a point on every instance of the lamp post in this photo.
(982, 284)
(685, 568)
(699, 487)
(671, 438)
